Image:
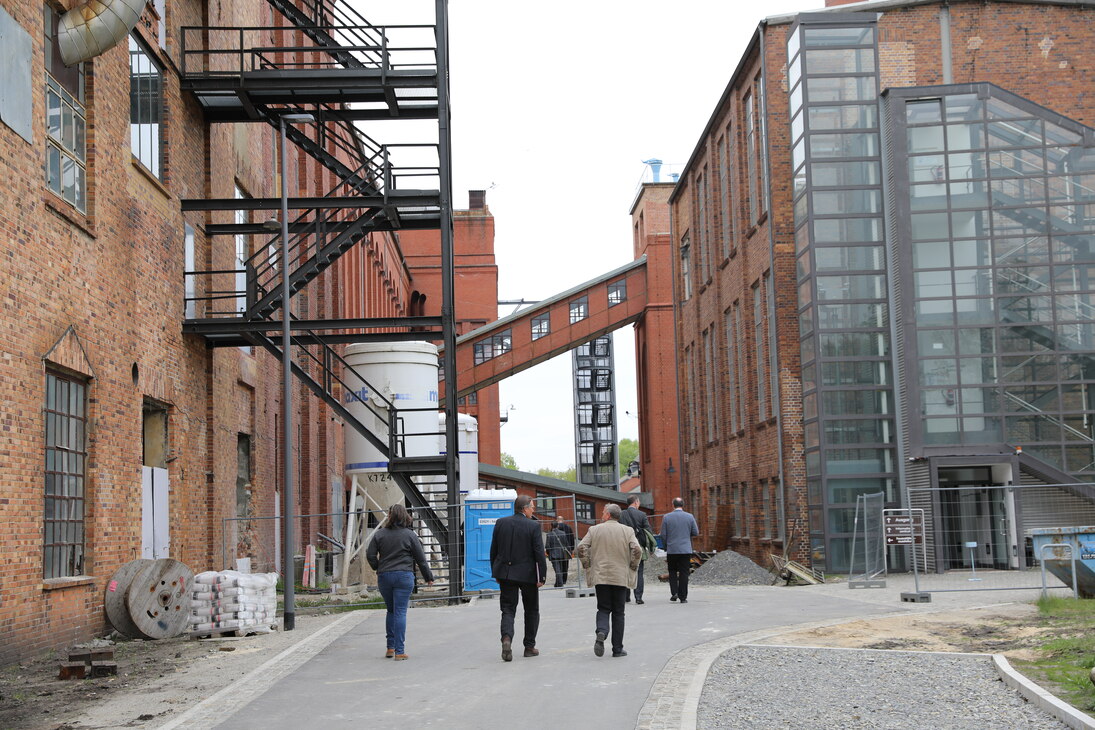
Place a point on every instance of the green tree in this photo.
(628, 451)
(508, 462)
(567, 474)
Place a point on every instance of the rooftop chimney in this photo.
(477, 199)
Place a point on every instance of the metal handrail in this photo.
(376, 53)
(1031, 408)
(1072, 555)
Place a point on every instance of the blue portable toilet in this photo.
(482, 508)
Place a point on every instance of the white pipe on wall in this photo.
(94, 28)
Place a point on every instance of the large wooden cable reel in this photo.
(149, 599)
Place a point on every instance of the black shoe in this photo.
(507, 649)
(684, 600)
(639, 601)
(531, 651)
(619, 653)
(627, 600)
(672, 598)
(599, 644)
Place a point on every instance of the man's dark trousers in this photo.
(507, 600)
(639, 581)
(679, 565)
(610, 603)
(560, 567)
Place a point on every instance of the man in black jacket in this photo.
(636, 519)
(518, 564)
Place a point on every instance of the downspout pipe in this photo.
(776, 362)
(94, 28)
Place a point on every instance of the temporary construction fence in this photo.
(341, 541)
(867, 568)
(979, 538)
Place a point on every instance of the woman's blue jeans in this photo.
(396, 586)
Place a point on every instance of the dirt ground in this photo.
(155, 680)
(158, 679)
(1012, 630)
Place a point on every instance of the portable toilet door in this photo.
(482, 509)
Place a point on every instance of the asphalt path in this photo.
(455, 677)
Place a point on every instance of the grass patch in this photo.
(1064, 662)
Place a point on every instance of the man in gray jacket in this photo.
(678, 529)
(610, 553)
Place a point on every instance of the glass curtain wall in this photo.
(842, 277)
(1000, 196)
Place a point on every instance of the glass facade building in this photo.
(944, 261)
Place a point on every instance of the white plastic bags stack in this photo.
(233, 601)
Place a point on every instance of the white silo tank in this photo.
(467, 442)
(403, 374)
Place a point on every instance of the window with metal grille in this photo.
(617, 292)
(602, 379)
(145, 108)
(66, 121)
(606, 454)
(541, 325)
(65, 470)
(545, 503)
(579, 309)
(584, 510)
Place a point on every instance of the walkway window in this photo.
(66, 122)
(541, 325)
(492, 347)
(65, 471)
(145, 108)
(617, 292)
(579, 309)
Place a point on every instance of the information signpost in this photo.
(905, 526)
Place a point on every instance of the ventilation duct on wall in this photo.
(95, 27)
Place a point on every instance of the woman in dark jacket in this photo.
(393, 552)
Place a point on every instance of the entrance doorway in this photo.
(974, 518)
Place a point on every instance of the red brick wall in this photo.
(115, 275)
(655, 357)
(721, 461)
(476, 299)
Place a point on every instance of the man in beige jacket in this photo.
(610, 553)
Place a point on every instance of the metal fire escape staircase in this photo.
(1019, 312)
(348, 71)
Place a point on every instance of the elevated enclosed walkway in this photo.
(551, 327)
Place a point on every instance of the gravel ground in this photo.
(728, 568)
(804, 688)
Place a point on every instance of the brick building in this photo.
(133, 210)
(882, 255)
(476, 298)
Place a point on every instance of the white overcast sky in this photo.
(554, 108)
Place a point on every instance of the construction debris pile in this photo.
(230, 601)
(728, 568)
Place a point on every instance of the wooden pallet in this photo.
(797, 570)
(228, 633)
